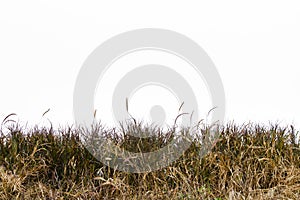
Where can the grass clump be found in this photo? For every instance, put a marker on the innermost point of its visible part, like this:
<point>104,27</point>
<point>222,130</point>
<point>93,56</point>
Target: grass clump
<point>247,162</point>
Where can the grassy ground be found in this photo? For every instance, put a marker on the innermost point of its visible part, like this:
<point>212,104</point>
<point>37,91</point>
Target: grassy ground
<point>247,162</point>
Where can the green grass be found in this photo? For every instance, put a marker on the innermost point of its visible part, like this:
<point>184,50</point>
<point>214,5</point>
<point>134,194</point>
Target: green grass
<point>247,162</point>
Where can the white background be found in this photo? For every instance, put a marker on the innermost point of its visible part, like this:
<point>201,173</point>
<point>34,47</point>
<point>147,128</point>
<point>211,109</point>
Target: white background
<point>255,46</point>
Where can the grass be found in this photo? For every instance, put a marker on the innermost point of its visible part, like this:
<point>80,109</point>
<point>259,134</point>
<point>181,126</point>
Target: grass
<point>247,162</point>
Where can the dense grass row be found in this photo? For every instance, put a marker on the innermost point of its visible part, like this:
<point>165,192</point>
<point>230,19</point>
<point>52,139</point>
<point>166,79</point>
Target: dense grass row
<point>247,162</point>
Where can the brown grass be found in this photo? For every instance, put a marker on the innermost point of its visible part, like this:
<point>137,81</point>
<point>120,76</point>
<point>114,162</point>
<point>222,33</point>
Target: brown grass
<point>248,162</point>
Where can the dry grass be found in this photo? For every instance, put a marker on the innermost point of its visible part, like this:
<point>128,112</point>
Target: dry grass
<point>248,162</point>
